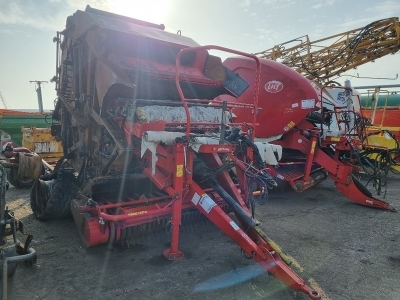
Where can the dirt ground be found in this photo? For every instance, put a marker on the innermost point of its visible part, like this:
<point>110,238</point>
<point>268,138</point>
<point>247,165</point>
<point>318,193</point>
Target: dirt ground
<point>344,250</point>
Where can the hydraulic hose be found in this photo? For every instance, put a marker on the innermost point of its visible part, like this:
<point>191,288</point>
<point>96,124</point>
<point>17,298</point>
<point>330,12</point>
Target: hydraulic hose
<point>30,256</point>
<point>247,218</point>
<point>232,203</point>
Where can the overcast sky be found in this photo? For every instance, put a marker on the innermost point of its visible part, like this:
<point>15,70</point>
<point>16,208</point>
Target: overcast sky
<point>27,28</point>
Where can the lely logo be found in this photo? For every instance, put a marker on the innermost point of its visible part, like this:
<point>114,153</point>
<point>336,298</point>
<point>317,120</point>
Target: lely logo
<point>273,86</point>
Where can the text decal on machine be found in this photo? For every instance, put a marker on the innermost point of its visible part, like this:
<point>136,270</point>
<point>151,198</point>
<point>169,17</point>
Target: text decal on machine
<point>196,198</point>
<point>273,86</point>
<point>207,203</point>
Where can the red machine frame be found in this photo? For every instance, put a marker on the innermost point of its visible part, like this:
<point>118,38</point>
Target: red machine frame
<point>99,224</point>
<point>310,140</point>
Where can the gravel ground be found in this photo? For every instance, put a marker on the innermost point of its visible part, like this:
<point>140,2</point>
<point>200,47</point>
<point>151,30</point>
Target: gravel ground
<point>344,250</point>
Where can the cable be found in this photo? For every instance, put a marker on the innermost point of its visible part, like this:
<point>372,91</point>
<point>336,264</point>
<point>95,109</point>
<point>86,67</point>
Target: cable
<point>377,162</point>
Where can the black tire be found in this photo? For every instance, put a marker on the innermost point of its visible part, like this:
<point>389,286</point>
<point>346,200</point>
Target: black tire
<point>51,199</point>
<point>18,183</point>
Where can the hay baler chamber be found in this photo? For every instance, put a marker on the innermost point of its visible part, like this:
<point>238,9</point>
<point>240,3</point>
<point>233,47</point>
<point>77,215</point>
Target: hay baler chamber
<point>148,141</point>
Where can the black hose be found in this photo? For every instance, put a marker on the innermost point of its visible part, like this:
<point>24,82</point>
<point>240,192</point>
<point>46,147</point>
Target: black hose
<point>232,203</point>
<point>30,256</point>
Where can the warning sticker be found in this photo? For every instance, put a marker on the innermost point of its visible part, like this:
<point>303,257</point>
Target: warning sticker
<point>196,198</point>
<point>233,224</point>
<point>307,104</point>
<point>207,203</point>
<point>179,170</point>
<point>313,147</point>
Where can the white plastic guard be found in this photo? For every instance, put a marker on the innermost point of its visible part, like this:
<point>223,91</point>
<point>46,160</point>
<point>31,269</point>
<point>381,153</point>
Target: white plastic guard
<point>267,152</point>
<point>151,139</point>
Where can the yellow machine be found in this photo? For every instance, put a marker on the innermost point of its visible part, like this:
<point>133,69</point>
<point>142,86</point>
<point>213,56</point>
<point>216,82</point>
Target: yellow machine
<point>383,142</point>
<point>40,141</point>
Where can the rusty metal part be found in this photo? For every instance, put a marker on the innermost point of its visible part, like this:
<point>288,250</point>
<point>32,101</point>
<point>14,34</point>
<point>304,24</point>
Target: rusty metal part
<point>28,164</point>
<point>10,152</point>
<point>9,165</point>
<point>29,167</point>
<point>123,18</point>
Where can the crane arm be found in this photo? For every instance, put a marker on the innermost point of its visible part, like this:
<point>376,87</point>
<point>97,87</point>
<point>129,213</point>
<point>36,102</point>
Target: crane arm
<point>328,57</point>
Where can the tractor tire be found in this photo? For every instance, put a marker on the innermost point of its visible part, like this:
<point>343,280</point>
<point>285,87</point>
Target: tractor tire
<point>18,183</point>
<point>51,200</point>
